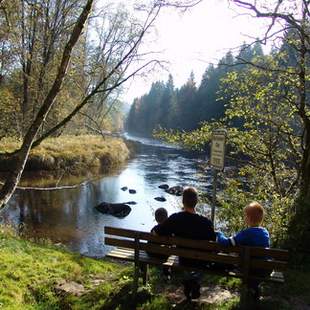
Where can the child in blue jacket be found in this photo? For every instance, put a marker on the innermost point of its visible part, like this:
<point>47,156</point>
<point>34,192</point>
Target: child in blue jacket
<point>253,235</point>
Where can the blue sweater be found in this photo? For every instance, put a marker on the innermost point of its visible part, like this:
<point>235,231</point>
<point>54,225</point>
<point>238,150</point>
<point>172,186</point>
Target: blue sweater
<point>253,236</point>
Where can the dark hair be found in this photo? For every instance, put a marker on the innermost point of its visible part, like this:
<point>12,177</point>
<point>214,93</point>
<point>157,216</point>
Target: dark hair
<point>190,197</point>
<point>161,215</point>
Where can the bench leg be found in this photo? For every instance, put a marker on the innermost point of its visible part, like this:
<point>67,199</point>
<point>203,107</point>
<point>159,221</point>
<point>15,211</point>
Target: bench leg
<point>244,297</point>
<point>145,273</point>
<point>136,279</point>
<point>247,297</point>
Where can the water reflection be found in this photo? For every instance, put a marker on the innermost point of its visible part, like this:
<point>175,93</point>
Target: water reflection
<point>68,216</point>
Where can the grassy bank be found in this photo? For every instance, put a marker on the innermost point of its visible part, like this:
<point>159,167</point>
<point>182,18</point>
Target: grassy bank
<point>71,153</point>
<point>42,276</point>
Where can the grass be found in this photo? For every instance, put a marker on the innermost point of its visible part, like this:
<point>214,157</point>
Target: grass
<point>30,272</point>
<point>74,153</point>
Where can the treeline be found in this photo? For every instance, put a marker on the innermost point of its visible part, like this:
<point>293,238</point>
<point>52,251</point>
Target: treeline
<point>186,107</point>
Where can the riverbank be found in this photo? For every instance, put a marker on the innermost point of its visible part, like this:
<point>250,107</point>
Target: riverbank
<point>44,276</point>
<point>73,154</point>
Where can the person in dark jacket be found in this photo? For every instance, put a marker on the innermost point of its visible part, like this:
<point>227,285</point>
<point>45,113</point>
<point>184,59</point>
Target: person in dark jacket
<point>161,215</point>
<point>188,224</point>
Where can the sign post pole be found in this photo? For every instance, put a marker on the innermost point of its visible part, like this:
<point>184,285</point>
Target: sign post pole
<point>217,161</point>
<point>214,196</point>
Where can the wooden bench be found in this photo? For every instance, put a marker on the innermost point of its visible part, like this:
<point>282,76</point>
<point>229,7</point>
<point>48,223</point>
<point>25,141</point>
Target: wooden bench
<point>132,245</point>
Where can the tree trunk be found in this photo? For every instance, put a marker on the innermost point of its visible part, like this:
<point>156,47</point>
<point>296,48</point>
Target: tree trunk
<point>22,155</point>
<point>305,168</point>
<point>305,164</point>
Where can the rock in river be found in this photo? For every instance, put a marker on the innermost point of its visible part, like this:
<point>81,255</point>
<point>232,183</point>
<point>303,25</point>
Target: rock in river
<point>161,198</point>
<point>175,190</point>
<point>124,188</point>
<point>116,209</point>
<point>130,203</point>
<point>163,186</point>
<point>132,191</point>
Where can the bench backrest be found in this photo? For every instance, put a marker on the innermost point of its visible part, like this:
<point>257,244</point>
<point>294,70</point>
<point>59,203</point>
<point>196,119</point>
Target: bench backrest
<point>244,257</point>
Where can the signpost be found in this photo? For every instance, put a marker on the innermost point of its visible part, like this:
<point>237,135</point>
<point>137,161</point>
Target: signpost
<point>217,161</point>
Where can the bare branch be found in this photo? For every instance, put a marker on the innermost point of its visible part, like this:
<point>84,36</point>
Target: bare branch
<point>288,18</point>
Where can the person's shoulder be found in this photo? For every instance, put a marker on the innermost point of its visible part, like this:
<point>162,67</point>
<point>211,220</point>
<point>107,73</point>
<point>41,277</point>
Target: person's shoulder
<point>265,231</point>
<point>205,220</point>
<point>260,229</point>
<point>175,215</point>
<point>154,228</point>
<point>246,231</point>
<point>257,230</point>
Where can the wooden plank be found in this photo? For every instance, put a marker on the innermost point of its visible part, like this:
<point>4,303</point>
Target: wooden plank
<point>277,276</point>
<point>186,253</point>
<point>245,265</point>
<point>278,254</point>
<point>130,253</point>
<point>122,257</point>
<point>194,244</point>
<point>123,254</point>
<point>137,266</point>
<point>144,259</point>
<point>268,264</point>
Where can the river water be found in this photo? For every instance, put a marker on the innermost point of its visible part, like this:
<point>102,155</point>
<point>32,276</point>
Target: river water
<point>68,216</point>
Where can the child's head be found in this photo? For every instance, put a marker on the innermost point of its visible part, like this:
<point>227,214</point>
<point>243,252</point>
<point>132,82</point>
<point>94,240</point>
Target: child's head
<point>254,214</point>
<point>161,215</point>
<point>190,197</point>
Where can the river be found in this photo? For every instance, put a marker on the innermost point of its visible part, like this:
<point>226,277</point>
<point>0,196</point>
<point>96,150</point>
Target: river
<point>68,216</point>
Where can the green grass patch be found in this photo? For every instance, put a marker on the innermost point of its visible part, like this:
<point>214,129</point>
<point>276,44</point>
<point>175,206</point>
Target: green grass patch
<point>30,272</point>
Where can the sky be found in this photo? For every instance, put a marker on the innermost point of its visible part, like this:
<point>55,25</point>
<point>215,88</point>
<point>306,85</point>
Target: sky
<point>191,40</point>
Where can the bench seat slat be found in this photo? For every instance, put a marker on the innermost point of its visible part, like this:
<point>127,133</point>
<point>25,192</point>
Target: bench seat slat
<point>143,257</point>
<point>128,254</point>
<point>272,253</point>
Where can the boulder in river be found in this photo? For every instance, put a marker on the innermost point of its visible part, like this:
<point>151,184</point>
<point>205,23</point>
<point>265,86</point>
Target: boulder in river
<point>116,209</point>
<point>161,198</point>
<point>209,186</point>
<point>175,190</point>
<point>124,188</point>
<point>130,203</point>
<point>132,191</point>
<point>163,186</point>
